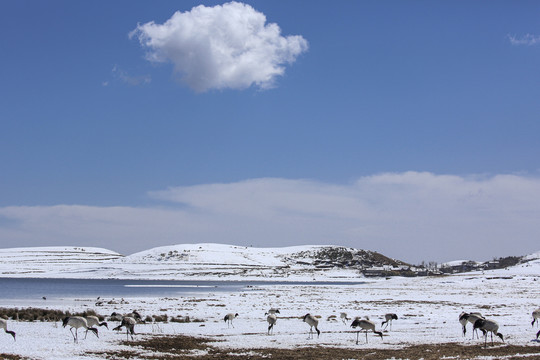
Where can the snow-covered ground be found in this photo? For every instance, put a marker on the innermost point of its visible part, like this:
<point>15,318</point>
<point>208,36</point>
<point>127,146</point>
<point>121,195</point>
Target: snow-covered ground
<point>428,310</point>
<point>427,307</point>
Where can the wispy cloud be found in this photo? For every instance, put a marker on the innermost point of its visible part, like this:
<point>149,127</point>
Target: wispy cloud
<point>528,39</point>
<point>127,78</point>
<point>225,46</point>
<point>412,216</point>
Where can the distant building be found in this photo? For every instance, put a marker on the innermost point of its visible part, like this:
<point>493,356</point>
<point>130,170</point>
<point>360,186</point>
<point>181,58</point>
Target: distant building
<point>374,272</point>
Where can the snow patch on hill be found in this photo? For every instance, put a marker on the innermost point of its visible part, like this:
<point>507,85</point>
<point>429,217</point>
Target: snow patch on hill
<point>193,262</point>
<point>530,267</point>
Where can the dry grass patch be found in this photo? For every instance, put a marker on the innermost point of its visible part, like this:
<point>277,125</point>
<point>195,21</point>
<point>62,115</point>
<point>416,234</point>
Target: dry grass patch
<point>39,314</point>
<point>11,357</point>
<point>187,347</point>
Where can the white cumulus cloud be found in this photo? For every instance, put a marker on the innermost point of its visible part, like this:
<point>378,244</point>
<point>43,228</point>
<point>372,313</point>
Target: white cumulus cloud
<point>225,46</point>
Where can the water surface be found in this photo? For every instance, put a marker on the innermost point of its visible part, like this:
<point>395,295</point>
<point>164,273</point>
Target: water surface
<point>34,289</point>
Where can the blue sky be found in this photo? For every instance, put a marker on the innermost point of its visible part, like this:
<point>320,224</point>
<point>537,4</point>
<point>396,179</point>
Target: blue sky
<point>101,119</point>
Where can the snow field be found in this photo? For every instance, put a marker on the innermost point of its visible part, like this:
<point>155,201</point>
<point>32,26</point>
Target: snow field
<point>428,310</point>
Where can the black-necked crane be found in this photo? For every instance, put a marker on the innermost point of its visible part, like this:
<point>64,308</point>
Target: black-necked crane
<point>388,320</point>
<point>3,325</point>
<point>472,318</point>
<point>272,319</point>
<point>116,316</point>
<point>463,321</point>
<point>344,318</point>
<point>77,322</point>
<point>313,323</point>
<point>536,316</point>
<point>229,318</point>
<point>488,326</point>
<point>272,311</point>
<point>134,314</point>
<point>366,325</point>
<point>119,317</point>
<point>129,323</point>
<point>92,321</point>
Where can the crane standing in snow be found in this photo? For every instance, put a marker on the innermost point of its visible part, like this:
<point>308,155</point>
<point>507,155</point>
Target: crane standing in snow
<point>488,326</point>
<point>313,323</point>
<point>129,323</point>
<point>272,319</point>
<point>366,325</point>
<point>536,316</point>
<point>92,321</point>
<point>77,322</point>
<point>229,318</point>
<point>3,325</point>
<point>472,318</point>
<point>388,320</point>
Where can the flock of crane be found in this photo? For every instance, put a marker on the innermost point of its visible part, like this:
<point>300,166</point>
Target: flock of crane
<point>90,323</point>
<point>362,324</point>
<point>478,321</point>
<point>128,321</point>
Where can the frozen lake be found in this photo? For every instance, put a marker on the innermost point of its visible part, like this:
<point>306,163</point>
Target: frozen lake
<point>31,291</point>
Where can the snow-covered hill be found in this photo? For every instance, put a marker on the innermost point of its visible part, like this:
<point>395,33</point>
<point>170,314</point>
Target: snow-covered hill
<point>209,262</point>
<point>45,261</point>
<point>529,267</point>
<point>193,262</point>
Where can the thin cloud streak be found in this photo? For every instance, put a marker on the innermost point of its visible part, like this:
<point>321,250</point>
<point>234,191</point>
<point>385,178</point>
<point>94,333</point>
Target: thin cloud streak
<point>412,216</point>
<point>130,79</point>
<point>528,40</point>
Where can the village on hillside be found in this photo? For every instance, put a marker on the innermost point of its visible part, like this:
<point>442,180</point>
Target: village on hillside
<point>434,269</point>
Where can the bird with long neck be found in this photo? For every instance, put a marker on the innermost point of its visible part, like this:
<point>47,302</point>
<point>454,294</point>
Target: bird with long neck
<point>129,323</point>
<point>3,325</point>
<point>388,320</point>
<point>229,318</point>
<point>313,323</point>
<point>366,325</point>
<point>92,321</point>
<point>271,319</point>
<point>77,322</point>
<point>536,316</point>
<point>488,326</point>
<point>272,311</point>
<point>463,321</point>
<point>465,317</point>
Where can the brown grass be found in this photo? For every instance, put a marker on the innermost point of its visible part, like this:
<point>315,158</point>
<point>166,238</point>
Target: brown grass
<point>11,357</point>
<point>39,314</point>
<point>181,347</point>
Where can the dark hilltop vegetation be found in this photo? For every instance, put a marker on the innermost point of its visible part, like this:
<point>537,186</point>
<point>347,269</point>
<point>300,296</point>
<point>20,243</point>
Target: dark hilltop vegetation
<point>374,264</point>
